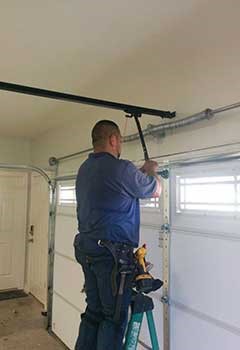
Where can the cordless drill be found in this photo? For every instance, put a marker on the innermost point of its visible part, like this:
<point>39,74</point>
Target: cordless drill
<point>144,281</point>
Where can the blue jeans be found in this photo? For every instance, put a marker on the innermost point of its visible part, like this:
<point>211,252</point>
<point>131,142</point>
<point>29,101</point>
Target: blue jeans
<point>98,330</point>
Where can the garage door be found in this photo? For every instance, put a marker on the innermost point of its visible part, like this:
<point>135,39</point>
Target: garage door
<point>68,298</point>
<point>204,257</point>
<point>68,281</point>
<point>151,234</point>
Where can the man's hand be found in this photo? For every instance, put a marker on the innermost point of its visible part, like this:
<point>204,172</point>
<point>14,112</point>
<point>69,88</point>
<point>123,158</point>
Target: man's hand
<point>149,167</point>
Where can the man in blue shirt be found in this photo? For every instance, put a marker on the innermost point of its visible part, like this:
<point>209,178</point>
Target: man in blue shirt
<point>108,190</point>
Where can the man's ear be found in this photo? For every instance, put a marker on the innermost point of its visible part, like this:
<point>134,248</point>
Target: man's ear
<point>113,140</point>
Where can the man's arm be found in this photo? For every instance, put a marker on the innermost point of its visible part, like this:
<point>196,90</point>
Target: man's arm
<point>142,183</point>
<point>150,168</point>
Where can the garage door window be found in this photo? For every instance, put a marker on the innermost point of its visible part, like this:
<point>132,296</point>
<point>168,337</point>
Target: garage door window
<point>66,195</point>
<point>151,203</point>
<point>212,193</point>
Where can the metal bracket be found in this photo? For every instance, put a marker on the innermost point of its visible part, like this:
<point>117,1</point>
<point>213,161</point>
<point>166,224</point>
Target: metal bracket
<point>164,173</point>
<point>166,240</point>
<point>165,228</point>
<point>209,113</point>
<point>165,299</point>
<point>136,116</point>
<point>52,161</point>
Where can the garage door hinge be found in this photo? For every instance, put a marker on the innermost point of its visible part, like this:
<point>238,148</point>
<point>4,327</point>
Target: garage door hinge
<point>165,228</point>
<point>164,173</point>
<point>165,299</point>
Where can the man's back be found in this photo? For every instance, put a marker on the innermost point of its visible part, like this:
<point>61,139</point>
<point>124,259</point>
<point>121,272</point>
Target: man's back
<point>107,195</point>
<point>108,192</point>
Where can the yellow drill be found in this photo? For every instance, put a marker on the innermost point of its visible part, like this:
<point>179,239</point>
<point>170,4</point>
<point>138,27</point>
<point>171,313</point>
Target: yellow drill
<point>144,281</point>
<point>140,257</point>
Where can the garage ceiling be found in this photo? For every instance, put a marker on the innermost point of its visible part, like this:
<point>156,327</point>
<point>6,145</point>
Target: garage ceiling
<point>71,46</point>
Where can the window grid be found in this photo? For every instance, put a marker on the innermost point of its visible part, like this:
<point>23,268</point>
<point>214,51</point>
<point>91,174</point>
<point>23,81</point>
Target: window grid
<point>66,195</point>
<point>151,203</point>
<point>208,194</point>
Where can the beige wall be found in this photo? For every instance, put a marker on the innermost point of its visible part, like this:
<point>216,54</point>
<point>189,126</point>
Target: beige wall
<point>14,150</point>
<point>191,66</point>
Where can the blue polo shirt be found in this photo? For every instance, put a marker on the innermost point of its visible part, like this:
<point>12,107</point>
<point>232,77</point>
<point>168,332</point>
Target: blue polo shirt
<point>108,191</point>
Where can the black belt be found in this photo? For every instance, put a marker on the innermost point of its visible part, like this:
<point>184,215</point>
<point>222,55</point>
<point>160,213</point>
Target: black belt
<point>115,248</point>
<point>106,243</point>
<point>124,264</point>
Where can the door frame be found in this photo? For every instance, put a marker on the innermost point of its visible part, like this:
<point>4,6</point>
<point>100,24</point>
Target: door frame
<point>29,169</point>
<point>28,244</point>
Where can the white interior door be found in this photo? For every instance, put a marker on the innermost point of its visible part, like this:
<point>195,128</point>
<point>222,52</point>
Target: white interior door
<point>38,238</point>
<point>204,257</point>
<point>13,207</point>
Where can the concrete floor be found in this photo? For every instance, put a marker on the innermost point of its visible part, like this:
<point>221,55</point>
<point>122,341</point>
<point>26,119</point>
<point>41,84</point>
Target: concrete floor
<point>22,326</point>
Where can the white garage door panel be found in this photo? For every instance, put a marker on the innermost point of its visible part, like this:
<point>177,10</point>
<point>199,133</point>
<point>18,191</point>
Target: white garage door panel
<point>65,233</point>
<point>151,237</point>
<point>207,224</point>
<point>152,217</point>
<point>203,268</point>
<point>69,281</point>
<point>68,301</point>
<point>204,262</point>
<point>65,321</point>
<point>193,333</point>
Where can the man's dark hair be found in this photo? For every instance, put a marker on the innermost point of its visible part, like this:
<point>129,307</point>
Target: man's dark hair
<point>102,131</point>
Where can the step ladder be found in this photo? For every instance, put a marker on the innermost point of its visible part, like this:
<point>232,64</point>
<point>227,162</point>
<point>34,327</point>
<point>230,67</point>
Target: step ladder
<point>141,304</point>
